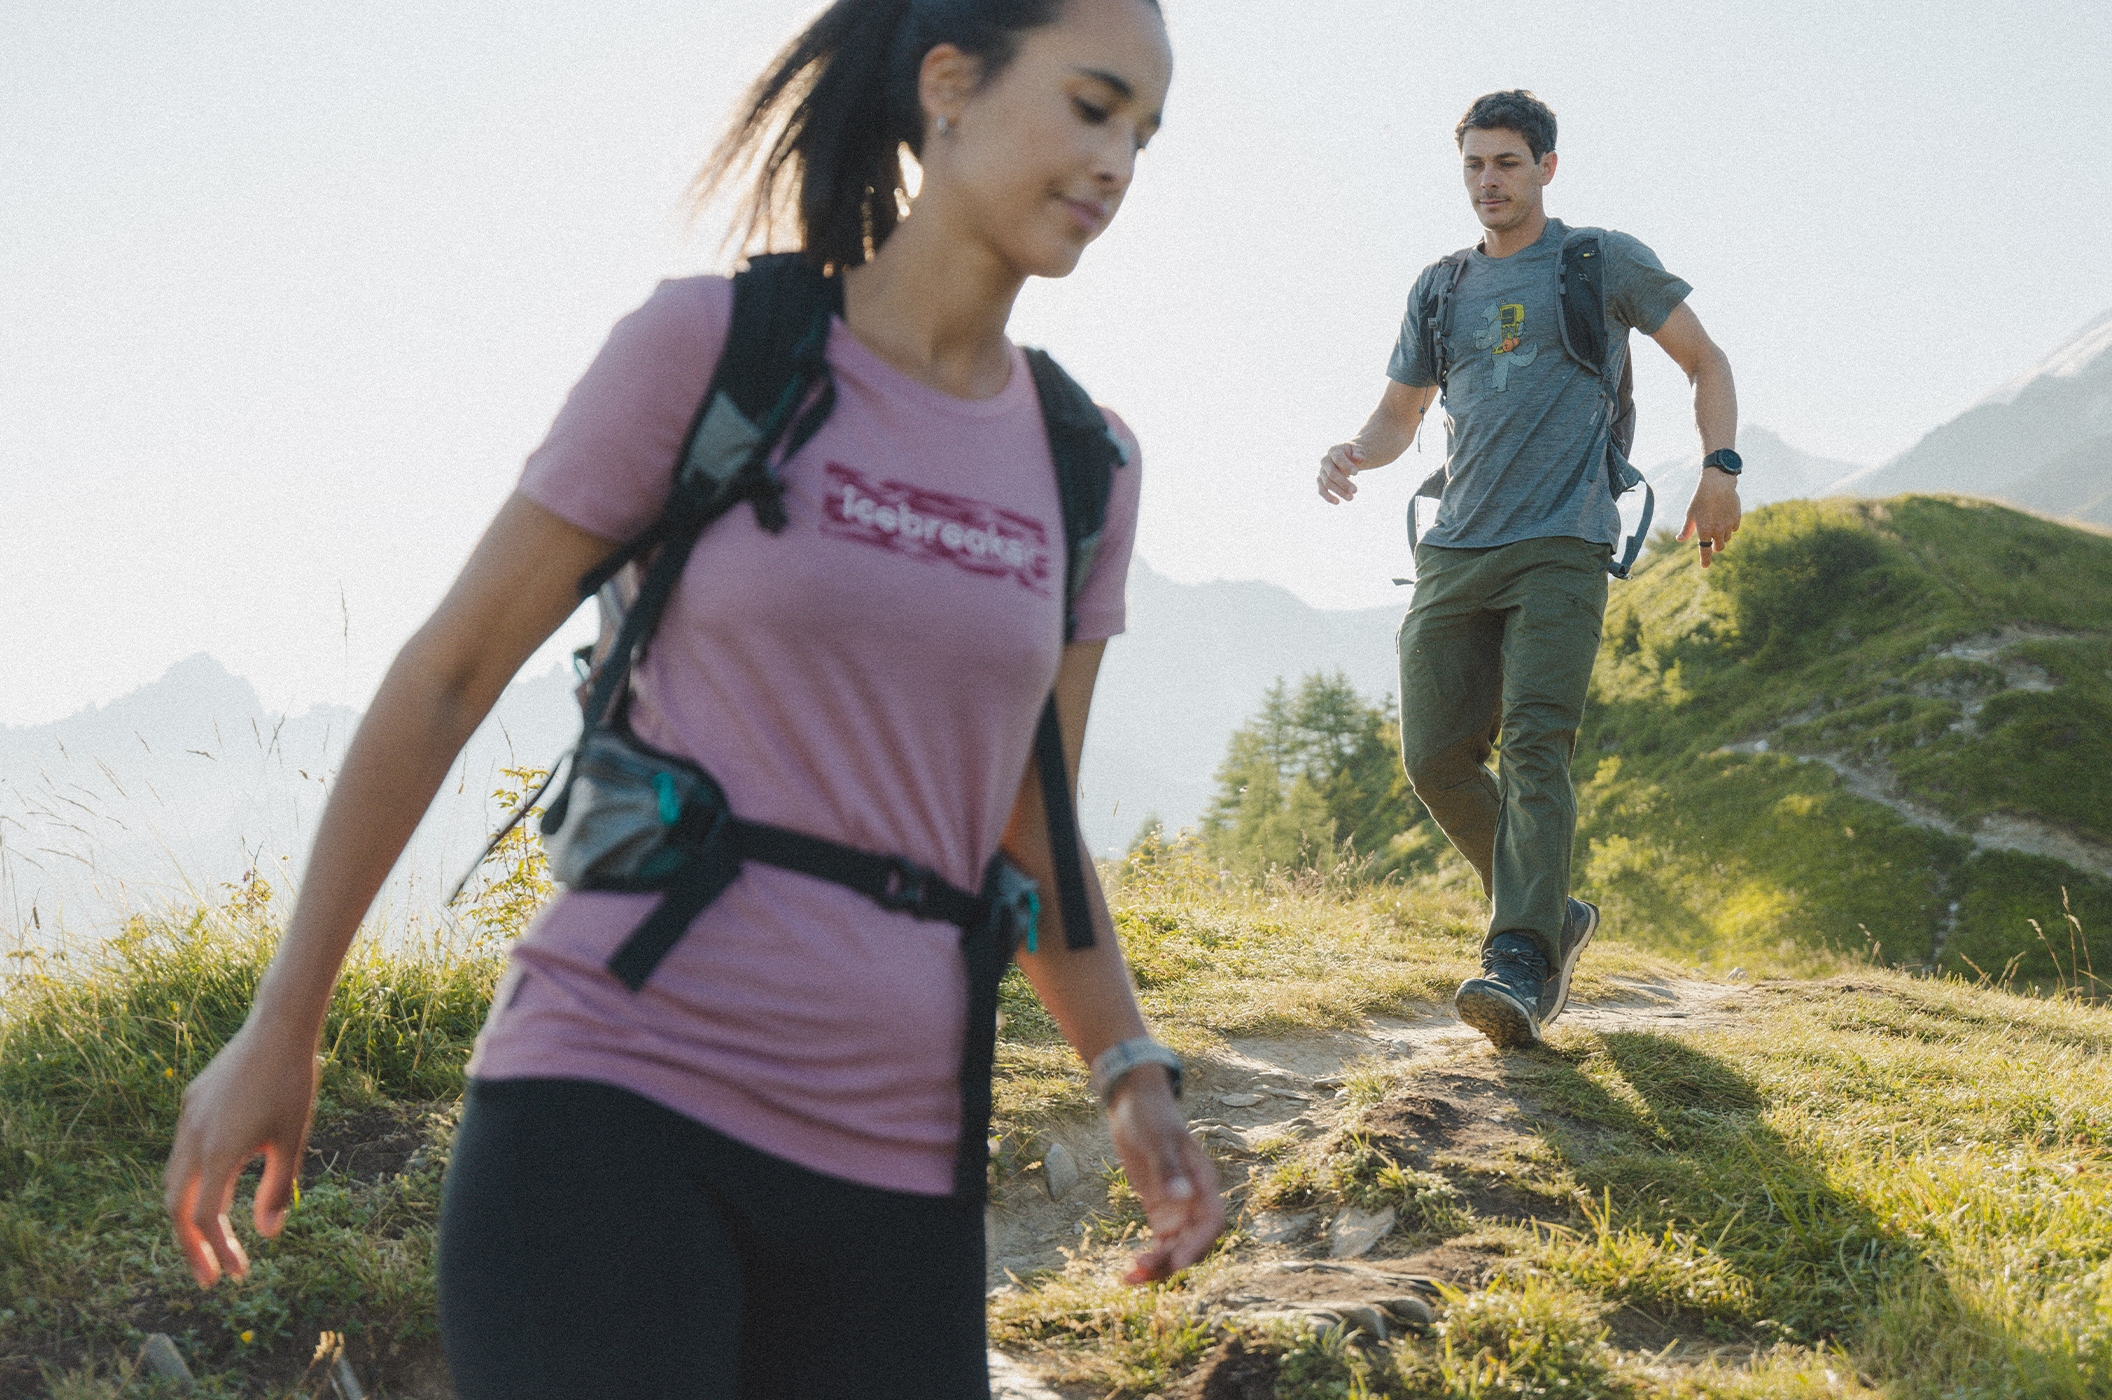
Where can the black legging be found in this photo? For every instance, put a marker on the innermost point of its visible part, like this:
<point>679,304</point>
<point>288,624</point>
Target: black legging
<point>597,1246</point>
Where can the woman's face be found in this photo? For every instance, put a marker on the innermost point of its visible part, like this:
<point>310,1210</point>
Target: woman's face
<point>1034,163</point>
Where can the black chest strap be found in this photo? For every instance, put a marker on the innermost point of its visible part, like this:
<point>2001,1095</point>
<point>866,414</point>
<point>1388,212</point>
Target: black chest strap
<point>888,881</point>
<point>988,929</point>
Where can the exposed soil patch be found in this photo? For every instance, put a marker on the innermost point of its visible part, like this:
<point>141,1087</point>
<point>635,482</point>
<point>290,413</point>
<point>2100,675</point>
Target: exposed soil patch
<point>1465,1266</point>
<point>1290,1281</point>
<point>371,1145</point>
<point>415,1372</point>
<point>1231,1372</point>
<point>1406,1122</point>
<point>1683,1339</point>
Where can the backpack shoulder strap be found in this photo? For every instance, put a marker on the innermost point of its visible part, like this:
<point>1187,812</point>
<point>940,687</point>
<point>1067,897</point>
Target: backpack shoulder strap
<point>1586,340</point>
<point>762,392</point>
<point>1086,453</point>
<point>776,343</point>
<point>774,357</point>
<point>779,301</point>
<point>1434,315</point>
<point>1583,297</point>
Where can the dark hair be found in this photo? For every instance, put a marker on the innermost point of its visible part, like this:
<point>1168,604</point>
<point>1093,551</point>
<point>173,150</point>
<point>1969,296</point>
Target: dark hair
<point>820,134</point>
<point>1516,110</point>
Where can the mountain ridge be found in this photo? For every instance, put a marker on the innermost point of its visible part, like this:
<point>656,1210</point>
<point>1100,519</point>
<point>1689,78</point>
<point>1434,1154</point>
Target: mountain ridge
<point>2067,360</point>
<point>188,782</point>
<point>1775,470</point>
<point>2005,444</point>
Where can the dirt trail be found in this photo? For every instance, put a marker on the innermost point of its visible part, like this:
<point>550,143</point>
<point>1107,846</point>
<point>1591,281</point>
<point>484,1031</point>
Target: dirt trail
<point>1457,1109</point>
<point>1999,831</point>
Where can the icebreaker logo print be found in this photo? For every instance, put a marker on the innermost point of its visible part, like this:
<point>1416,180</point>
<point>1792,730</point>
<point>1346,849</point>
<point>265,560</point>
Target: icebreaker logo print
<point>939,528</point>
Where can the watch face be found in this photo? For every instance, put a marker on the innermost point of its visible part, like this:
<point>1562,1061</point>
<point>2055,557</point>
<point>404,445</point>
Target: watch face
<point>1726,459</point>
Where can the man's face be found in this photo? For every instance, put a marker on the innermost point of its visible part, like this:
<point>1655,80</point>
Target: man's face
<point>1503,179</point>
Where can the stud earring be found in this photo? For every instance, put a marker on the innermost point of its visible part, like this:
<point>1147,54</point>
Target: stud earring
<point>944,124</point>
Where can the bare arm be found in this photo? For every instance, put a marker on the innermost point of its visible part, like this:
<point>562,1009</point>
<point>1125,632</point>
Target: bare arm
<point>259,1091</point>
<point>1088,992</point>
<point>1714,515</point>
<point>1383,438</point>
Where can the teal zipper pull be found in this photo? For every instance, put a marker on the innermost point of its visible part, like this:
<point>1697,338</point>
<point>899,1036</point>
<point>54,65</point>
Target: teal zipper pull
<point>670,803</point>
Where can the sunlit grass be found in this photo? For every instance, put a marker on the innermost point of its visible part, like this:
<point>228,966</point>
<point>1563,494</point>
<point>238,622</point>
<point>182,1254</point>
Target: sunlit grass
<point>1827,636</point>
<point>1872,1184</point>
<point>1904,1184</point>
<point>1309,951</point>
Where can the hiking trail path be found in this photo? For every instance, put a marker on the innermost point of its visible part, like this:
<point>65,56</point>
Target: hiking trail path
<point>1452,1106</point>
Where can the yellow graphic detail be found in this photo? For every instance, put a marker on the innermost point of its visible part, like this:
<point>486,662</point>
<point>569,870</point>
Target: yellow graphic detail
<point>1502,329</point>
<point>1511,321</point>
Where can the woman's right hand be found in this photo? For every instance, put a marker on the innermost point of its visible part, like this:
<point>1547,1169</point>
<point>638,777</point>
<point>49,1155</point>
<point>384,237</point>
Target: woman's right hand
<point>257,1095</point>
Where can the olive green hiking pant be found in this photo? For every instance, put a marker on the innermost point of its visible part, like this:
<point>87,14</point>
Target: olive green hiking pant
<point>1497,648</point>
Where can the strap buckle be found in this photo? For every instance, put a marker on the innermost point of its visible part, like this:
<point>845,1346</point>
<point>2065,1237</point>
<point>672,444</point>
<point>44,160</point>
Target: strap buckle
<point>905,887</point>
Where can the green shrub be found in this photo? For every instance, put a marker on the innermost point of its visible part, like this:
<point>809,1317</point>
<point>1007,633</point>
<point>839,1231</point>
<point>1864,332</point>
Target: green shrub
<point>1792,570</point>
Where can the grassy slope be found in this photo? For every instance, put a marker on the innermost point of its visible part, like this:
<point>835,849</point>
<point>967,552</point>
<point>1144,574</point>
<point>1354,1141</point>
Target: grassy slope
<point>1902,1180</point>
<point>1823,631</point>
<point>1873,1179</point>
<point>1912,1173</point>
<point>92,1066</point>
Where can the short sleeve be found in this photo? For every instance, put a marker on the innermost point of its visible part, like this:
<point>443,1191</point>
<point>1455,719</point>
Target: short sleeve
<point>1409,365</point>
<point>1102,603</point>
<point>1640,294</point>
<point>608,461</point>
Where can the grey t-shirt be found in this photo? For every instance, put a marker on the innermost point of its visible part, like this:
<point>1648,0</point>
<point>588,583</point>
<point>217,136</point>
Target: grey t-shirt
<point>1526,431</point>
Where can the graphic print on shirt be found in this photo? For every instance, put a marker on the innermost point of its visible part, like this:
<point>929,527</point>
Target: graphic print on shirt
<point>938,528</point>
<point>1500,337</point>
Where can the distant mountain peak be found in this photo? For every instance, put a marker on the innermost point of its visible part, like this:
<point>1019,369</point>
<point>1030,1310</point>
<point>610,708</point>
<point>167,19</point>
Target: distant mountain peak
<point>197,680</point>
<point>2074,355</point>
<point>2039,421</point>
<point>1777,470</point>
<point>199,668</point>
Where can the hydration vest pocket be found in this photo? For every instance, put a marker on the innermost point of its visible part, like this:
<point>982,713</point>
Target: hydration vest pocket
<point>633,818</point>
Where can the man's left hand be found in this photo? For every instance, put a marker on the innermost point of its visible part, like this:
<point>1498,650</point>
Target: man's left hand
<point>1715,514</point>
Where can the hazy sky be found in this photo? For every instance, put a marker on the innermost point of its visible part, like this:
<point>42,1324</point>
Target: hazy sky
<point>288,290</point>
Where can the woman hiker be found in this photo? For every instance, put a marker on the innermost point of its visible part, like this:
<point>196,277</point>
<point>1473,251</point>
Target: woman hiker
<point>740,1178</point>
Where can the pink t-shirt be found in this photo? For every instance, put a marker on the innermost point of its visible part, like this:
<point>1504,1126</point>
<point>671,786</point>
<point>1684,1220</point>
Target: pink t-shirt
<point>871,675</point>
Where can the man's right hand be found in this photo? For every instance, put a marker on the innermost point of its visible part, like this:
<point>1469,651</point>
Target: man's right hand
<point>1342,462</point>
<point>1384,437</point>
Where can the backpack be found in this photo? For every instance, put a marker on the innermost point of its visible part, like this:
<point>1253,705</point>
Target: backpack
<point>1582,297</point>
<point>630,817</point>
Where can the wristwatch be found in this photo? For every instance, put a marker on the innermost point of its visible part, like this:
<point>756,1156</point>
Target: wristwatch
<point>1114,1063</point>
<point>1724,460</point>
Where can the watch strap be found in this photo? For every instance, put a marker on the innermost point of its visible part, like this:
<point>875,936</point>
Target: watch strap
<point>1114,1063</point>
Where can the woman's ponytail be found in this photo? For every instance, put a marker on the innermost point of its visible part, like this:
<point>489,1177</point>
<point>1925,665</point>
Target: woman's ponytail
<point>818,141</point>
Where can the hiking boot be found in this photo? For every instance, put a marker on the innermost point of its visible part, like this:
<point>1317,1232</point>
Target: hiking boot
<point>1577,929</point>
<point>1504,1002</point>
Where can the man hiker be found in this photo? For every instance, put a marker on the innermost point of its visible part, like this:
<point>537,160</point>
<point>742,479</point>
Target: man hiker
<point>1510,587</point>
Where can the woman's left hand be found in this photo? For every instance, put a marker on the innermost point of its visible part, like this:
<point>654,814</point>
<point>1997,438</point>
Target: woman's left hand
<point>1170,1172</point>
